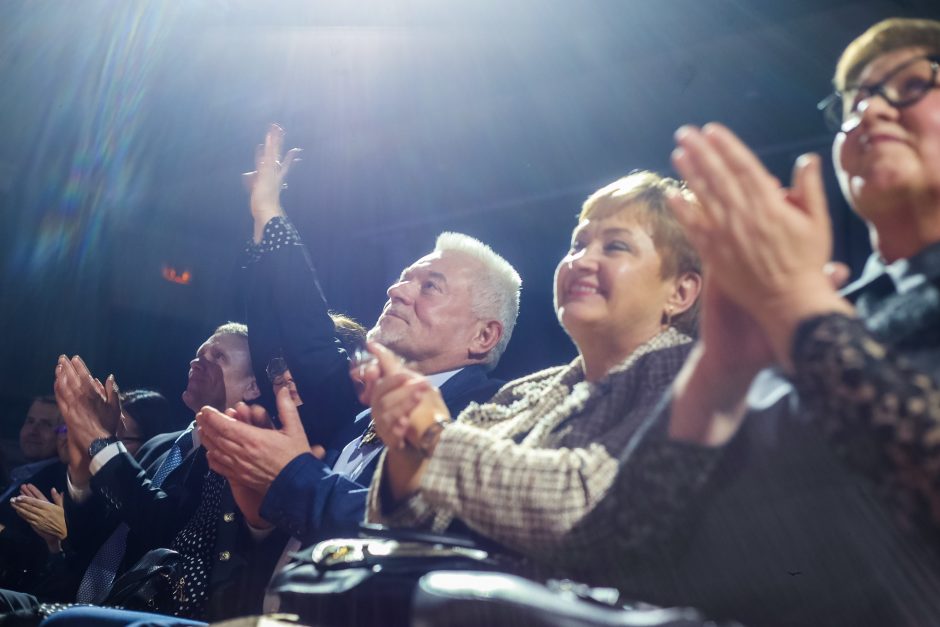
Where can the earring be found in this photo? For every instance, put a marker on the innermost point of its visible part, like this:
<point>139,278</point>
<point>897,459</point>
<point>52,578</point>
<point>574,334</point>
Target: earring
<point>667,319</point>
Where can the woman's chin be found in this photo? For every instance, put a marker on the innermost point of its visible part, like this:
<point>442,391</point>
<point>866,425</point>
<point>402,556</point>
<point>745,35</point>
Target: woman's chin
<point>579,321</point>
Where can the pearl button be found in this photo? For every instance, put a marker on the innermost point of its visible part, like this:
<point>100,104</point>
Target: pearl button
<point>224,556</point>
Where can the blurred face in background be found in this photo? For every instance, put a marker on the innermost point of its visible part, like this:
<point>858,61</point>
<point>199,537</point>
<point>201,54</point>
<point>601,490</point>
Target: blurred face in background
<point>220,375</point>
<point>129,433</point>
<point>38,433</point>
<point>62,443</point>
<point>284,379</point>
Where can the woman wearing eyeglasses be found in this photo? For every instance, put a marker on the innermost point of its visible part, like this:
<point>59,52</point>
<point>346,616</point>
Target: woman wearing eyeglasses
<point>826,508</point>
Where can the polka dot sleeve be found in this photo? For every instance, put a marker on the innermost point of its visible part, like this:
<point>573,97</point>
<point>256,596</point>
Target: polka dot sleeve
<point>278,232</point>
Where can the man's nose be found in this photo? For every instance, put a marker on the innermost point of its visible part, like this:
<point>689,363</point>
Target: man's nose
<point>400,291</point>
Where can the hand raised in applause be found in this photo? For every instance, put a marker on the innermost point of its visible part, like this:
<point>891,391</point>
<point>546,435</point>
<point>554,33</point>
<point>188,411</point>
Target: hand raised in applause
<point>730,338</point>
<point>90,410</point>
<point>47,518</point>
<point>765,246</point>
<point>404,403</point>
<point>404,406</point>
<point>710,391</point>
<point>268,178</point>
<point>242,449</point>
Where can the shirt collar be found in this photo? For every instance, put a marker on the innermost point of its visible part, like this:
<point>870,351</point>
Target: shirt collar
<point>195,434</point>
<point>440,378</point>
<point>905,274</point>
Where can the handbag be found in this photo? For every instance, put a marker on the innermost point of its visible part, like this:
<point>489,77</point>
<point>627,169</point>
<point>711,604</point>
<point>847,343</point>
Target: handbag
<point>370,579</point>
<point>149,584</point>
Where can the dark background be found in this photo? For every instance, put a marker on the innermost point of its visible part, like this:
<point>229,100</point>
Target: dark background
<point>125,126</point>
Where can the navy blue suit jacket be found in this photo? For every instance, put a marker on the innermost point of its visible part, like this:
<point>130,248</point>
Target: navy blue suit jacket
<point>308,498</point>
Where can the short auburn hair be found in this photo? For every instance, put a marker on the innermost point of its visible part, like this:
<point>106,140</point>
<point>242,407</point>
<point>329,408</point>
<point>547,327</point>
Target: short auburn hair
<point>644,195</point>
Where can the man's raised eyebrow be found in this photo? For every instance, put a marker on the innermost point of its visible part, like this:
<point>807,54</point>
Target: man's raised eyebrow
<point>437,275</point>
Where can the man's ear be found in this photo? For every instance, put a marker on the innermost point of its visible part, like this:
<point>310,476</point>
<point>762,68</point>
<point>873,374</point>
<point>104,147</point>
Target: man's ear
<point>252,391</point>
<point>486,339</point>
<point>686,290</point>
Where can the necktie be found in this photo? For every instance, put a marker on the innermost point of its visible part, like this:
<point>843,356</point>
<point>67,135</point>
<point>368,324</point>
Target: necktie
<point>96,583</point>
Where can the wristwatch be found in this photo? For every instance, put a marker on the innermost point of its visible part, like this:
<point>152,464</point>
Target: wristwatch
<point>99,443</point>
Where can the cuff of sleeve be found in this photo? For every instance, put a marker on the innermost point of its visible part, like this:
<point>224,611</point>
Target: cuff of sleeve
<point>658,471</point>
<point>412,512</point>
<point>291,483</point>
<point>79,494</point>
<point>105,455</point>
<point>278,232</point>
<point>439,483</point>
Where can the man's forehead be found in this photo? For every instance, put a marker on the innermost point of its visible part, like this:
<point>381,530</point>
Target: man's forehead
<point>43,410</point>
<point>227,341</point>
<point>448,263</point>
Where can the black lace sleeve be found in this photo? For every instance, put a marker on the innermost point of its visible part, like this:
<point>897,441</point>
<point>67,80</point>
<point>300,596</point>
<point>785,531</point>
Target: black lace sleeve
<point>658,482</point>
<point>880,413</point>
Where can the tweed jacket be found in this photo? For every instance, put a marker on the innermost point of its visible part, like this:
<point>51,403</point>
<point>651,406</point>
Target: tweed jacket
<point>526,467</point>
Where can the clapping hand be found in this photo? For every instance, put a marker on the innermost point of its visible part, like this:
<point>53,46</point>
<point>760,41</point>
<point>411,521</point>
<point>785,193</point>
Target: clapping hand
<point>404,403</point>
<point>47,518</point>
<point>241,447</point>
<point>764,246</point>
<point>91,410</point>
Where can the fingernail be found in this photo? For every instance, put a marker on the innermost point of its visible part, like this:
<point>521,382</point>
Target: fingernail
<point>683,132</point>
<point>805,160</point>
<point>678,154</point>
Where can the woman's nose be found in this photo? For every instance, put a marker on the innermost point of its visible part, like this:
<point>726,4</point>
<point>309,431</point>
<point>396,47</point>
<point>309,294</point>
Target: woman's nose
<point>869,111</point>
<point>583,259</point>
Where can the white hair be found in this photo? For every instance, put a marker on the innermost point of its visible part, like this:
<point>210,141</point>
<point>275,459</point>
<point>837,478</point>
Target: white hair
<point>495,292</point>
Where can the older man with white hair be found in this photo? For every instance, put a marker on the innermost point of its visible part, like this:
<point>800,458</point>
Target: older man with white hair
<point>450,314</point>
